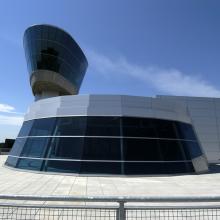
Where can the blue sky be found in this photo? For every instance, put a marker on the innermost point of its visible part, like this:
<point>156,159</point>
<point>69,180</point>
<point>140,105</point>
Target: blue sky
<point>136,47</point>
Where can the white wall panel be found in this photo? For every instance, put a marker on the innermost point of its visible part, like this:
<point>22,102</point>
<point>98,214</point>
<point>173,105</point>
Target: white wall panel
<point>213,156</point>
<point>201,104</point>
<point>202,112</point>
<point>108,105</point>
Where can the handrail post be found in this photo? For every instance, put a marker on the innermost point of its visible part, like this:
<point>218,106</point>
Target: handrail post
<point>121,214</point>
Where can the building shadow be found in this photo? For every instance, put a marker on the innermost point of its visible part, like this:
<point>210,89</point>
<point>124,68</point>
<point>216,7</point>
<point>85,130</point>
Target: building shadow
<point>214,168</point>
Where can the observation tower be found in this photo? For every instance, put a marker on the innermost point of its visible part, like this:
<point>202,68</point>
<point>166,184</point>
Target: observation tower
<point>56,64</point>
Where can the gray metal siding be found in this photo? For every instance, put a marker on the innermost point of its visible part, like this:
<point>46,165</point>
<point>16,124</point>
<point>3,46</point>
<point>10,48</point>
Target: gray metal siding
<point>205,117</point>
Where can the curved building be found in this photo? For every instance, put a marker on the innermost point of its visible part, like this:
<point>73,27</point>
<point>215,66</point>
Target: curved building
<point>96,134</point>
<point>56,64</point>
<point>104,134</point>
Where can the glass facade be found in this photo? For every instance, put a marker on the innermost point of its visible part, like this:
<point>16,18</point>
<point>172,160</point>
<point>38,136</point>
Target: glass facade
<point>105,145</point>
<point>50,48</point>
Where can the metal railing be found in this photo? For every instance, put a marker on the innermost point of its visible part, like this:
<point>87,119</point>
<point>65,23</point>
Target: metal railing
<point>109,208</point>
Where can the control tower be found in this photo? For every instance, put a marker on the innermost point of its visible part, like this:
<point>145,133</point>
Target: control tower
<point>56,64</point>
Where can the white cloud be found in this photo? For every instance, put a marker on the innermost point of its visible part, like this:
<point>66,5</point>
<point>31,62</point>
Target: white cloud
<point>170,81</point>
<point>9,109</point>
<point>6,108</point>
<point>11,120</point>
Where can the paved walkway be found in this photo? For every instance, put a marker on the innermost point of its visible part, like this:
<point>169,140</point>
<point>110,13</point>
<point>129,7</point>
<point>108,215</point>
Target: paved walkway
<point>19,182</point>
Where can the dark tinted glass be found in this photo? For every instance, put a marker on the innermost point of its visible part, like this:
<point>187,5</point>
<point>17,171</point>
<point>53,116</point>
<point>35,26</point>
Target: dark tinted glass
<point>157,168</point>
<point>90,126</point>
<point>172,150</point>
<point>70,148</point>
<point>85,148</point>
<point>157,128</point>
<point>141,150</point>
<point>103,126</point>
<point>144,127</point>
<point>11,161</point>
<point>185,131</point>
<point>192,148</point>
<point>69,126</point>
<point>55,49</point>
<point>35,147</point>
<point>18,147</point>
<point>102,168</point>
<point>154,150</point>
<point>165,128</point>
<point>101,149</point>
<point>25,129</point>
<point>108,126</point>
<point>156,153</point>
<point>47,61</point>
<point>29,164</point>
<point>130,168</point>
<point>62,166</point>
<point>42,127</point>
<point>139,127</point>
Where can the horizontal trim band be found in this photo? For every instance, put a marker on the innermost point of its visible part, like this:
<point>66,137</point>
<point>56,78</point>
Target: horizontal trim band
<point>98,115</point>
<point>113,137</point>
<point>117,161</point>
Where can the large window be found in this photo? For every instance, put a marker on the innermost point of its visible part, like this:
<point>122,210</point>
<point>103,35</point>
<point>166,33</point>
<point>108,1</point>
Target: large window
<point>105,145</point>
<point>43,127</point>
<point>35,147</point>
<point>18,146</point>
<point>30,164</point>
<point>157,168</point>
<point>101,149</point>
<point>25,129</point>
<point>103,126</point>
<point>66,148</point>
<point>69,126</point>
<point>108,126</point>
